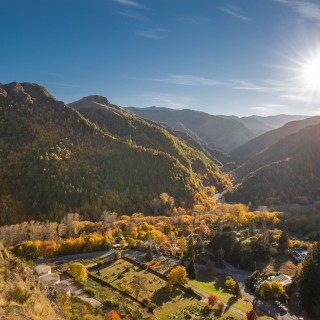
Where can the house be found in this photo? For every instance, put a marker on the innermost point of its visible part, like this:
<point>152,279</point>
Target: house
<point>42,269</point>
<point>298,254</point>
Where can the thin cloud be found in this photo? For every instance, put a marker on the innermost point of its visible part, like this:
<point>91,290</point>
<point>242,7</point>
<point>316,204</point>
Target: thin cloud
<point>131,14</point>
<point>188,80</point>
<point>306,9</point>
<point>153,34</point>
<point>193,19</point>
<point>268,108</point>
<point>130,3</point>
<point>235,12</point>
<point>147,99</point>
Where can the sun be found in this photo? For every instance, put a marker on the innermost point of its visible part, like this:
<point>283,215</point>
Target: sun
<point>311,73</point>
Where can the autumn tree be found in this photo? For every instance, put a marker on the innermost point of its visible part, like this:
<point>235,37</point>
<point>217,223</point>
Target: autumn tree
<point>71,221</point>
<point>79,271</point>
<point>123,244</point>
<point>230,284</point>
<point>212,300</point>
<point>109,218</point>
<point>252,315</point>
<point>113,315</point>
<point>177,276</point>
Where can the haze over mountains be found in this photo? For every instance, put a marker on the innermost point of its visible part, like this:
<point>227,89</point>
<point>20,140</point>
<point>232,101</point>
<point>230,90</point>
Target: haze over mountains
<point>226,132</point>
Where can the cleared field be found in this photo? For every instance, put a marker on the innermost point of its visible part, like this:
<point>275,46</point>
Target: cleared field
<point>161,264</point>
<point>121,273</point>
<point>279,264</point>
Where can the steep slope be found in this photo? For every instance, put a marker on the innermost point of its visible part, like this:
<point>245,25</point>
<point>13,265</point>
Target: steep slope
<point>261,143</point>
<point>20,295</point>
<point>53,160</point>
<point>288,171</point>
<point>129,127</point>
<point>214,131</point>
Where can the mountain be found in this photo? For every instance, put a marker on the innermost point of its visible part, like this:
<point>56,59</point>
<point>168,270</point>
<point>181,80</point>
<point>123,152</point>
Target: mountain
<point>287,171</point>
<point>261,143</point>
<point>256,126</point>
<point>54,160</point>
<point>279,120</point>
<point>212,131</point>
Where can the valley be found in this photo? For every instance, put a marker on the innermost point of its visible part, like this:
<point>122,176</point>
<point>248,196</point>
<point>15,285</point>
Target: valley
<point>161,223</point>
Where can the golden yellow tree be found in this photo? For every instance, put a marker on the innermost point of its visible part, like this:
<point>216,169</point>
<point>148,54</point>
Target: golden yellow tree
<point>177,276</point>
<point>79,271</point>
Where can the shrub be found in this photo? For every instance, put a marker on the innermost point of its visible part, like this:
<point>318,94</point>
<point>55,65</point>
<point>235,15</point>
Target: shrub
<point>251,315</point>
<point>18,295</point>
<point>212,300</point>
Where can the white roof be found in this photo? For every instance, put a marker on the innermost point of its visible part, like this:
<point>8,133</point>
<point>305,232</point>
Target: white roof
<point>283,279</point>
<point>42,269</point>
<point>49,279</point>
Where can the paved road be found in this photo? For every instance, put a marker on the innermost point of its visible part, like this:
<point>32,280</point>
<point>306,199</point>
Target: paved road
<point>79,256</point>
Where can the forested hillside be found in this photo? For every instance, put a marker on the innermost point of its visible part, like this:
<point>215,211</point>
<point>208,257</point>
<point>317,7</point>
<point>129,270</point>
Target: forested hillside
<point>54,160</point>
<point>288,171</point>
<point>261,143</point>
<point>140,132</point>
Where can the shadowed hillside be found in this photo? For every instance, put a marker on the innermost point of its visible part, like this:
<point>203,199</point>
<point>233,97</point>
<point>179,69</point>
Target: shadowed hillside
<point>54,160</point>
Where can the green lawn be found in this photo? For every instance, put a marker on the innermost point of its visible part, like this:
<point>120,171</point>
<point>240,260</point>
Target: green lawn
<point>215,285</point>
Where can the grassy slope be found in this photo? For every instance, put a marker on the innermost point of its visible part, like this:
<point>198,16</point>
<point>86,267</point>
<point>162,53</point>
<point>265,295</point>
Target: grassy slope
<point>16,274</point>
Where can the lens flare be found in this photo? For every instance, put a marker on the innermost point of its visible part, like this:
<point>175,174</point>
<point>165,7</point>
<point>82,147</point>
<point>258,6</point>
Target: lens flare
<point>311,74</point>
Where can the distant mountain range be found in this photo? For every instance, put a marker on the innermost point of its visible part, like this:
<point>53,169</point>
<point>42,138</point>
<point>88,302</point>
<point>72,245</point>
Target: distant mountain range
<point>216,132</point>
<point>89,157</point>
<point>282,165</point>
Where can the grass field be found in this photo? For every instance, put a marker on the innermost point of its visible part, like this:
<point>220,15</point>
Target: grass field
<point>121,272</point>
<point>215,285</point>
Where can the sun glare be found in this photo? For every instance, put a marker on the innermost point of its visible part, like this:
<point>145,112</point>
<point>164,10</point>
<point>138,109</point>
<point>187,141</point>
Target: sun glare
<point>311,74</point>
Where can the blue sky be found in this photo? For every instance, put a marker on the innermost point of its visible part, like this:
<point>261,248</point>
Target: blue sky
<point>237,57</point>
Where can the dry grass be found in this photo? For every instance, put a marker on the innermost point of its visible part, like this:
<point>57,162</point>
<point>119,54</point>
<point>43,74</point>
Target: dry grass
<point>279,264</point>
<point>15,274</point>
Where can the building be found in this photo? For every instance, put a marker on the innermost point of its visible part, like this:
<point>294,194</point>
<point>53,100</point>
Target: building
<point>42,269</point>
<point>285,280</point>
<point>49,280</point>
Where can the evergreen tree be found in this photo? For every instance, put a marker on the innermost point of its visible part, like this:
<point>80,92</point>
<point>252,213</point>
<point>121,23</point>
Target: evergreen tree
<point>309,279</point>
<point>191,270</point>
<point>190,248</point>
<point>149,255</point>
<point>284,241</point>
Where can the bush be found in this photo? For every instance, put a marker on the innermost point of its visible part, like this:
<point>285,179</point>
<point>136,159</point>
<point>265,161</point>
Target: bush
<point>117,255</point>
<point>18,295</point>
